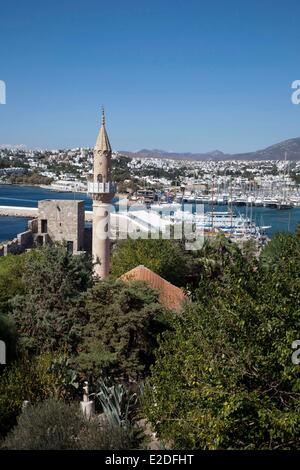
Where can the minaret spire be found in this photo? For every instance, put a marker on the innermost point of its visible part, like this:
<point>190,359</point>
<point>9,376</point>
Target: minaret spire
<point>102,191</point>
<point>102,143</point>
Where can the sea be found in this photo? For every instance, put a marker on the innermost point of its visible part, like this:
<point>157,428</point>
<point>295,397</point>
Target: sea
<point>28,196</point>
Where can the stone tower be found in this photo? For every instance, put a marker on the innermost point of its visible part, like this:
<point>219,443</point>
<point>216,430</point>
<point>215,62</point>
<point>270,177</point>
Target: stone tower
<point>102,191</point>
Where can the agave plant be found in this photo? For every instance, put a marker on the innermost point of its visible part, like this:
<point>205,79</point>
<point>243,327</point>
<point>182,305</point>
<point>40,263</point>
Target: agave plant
<point>118,403</point>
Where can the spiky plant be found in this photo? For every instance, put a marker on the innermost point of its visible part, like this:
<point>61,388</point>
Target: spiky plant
<point>118,404</point>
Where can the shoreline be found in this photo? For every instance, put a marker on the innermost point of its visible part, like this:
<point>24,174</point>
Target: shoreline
<point>42,186</point>
<point>48,186</point>
<point>29,212</point>
<point>15,195</point>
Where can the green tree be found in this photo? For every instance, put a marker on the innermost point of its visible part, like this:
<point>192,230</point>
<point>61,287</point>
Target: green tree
<point>216,256</point>
<point>30,178</point>
<point>50,314</point>
<point>224,378</point>
<point>221,261</point>
<point>168,258</point>
<point>282,249</point>
<point>121,333</point>
<point>11,283</point>
<point>8,334</point>
<point>33,378</point>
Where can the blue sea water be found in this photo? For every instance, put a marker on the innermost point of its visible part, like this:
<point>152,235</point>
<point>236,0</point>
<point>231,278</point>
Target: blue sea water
<point>11,226</point>
<point>28,196</point>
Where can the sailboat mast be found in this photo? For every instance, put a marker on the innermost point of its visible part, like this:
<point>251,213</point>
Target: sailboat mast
<point>231,205</point>
<point>212,201</point>
<point>284,177</point>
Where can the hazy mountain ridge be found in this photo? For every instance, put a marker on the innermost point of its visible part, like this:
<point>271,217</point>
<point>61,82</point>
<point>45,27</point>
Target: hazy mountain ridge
<point>274,152</point>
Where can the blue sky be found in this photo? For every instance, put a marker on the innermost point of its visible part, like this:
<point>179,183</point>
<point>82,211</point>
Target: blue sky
<point>181,75</point>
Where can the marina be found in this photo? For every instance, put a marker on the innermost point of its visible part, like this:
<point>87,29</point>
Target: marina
<point>247,199</point>
<point>262,216</point>
<point>236,226</point>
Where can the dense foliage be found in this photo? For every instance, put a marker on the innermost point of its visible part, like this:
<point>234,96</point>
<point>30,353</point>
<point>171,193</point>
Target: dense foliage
<point>8,334</point>
<point>51,303</point>
<point>33,379</point>
<point>218,376</point>
<point>50,313</point>
<point>11,283</point>
<point>55,425</point>
<point>120,335</point>
<point>167,258</point>
<point>30,178</point>
<point>224,377</point>
<point>47,426</point>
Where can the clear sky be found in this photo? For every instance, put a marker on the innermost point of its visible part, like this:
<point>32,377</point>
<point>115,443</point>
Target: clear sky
<point>181,75</point>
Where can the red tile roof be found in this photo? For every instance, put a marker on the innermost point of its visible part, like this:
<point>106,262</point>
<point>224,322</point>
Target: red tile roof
<point>170,296</point>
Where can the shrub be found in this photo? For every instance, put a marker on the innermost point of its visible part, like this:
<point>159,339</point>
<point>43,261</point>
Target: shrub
<point>124,321</point>
<point>8,334</point>
<point>168,258</point>
<point>11,284</point>
<point>50,425</point>
<point>56,425</point>
<point>223,377</point>
<point>49,315</point>
<point>97,436</point>
<point>33,379</point>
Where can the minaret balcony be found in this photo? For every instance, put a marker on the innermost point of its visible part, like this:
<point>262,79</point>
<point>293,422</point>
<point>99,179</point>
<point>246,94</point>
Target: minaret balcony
<point>102,188</point>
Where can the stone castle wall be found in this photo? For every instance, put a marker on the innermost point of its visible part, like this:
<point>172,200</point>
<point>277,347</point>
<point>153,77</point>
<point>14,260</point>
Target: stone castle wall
<point>58,220</point>
<point>19,244</point>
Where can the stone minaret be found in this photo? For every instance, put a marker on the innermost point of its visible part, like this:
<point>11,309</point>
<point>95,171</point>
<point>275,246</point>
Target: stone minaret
<point>102,191</point>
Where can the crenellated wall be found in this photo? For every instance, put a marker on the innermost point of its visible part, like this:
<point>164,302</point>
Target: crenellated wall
<point>22,242</point>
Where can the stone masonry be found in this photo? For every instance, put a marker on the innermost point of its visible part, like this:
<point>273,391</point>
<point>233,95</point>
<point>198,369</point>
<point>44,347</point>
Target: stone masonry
<point>61,220</point>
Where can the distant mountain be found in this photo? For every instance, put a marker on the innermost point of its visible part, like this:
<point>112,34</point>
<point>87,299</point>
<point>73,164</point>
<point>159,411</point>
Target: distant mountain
<point>13,146</point>
<point>275,152</point>
<point>145,153</point>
